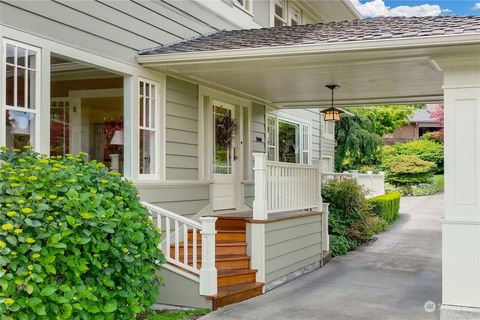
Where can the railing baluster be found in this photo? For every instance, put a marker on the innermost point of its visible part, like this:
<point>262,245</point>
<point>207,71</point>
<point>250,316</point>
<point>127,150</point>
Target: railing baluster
<point>194,250</point>
<point>185,244</point>
<point>177,244</point>
<point>167,237</point>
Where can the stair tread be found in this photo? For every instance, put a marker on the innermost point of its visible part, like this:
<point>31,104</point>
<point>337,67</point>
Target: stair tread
<point>227,230</point>
<point>234,272</point>
<point>236,288</point>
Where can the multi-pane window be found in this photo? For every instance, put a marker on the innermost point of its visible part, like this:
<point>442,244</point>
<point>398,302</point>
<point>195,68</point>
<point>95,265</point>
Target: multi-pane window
<point>22,95</point>
<point>148,127</point>
<point>294,16</point>
<point>280,13</point>
<point>59,126</point>
<point>271,137</point>
<point>287,141</point>
<point>305,144</point>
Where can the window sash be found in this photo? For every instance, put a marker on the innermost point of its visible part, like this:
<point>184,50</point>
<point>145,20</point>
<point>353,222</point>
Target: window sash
<point>21,93</point>
<point>148,109</point>
<point>272,137</point>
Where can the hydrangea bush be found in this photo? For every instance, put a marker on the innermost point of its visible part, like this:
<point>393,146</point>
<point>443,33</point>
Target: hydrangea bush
<point>75,241</point>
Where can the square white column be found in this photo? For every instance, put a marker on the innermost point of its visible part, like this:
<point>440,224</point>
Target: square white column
<point>461,224</point>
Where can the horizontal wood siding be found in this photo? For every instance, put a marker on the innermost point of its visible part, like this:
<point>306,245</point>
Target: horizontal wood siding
<point>116,29</point>
<point>184,199</point>
<point>258,127</point>
<point>291,245</point>
<point>182,130</point>
<point>249,193</point>
<point>328,147</point>
<point>180,291</point>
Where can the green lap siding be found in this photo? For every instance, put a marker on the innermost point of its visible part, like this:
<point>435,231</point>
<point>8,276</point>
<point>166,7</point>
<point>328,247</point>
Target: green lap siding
<point>291,245</point>
<point>182,130</point>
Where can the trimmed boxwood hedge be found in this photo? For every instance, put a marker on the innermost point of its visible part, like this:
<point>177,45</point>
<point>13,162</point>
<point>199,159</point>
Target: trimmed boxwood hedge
<point>386,206</point>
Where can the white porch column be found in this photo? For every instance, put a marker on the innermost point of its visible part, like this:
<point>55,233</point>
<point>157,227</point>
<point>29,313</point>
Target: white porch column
<point>208,271</point>
<point>461,224</point>
<point>260,202</point>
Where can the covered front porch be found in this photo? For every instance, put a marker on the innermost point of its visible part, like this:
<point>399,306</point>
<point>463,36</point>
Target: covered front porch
<point>381,61</point>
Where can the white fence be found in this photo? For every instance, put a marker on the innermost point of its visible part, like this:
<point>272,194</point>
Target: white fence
<point>283,187</point>
<point>180,240</point>
<point>373,183</point>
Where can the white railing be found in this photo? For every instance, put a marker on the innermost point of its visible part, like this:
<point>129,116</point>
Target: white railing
<point>283,187</point>
<point>180,240</point>
<point>373,183</point>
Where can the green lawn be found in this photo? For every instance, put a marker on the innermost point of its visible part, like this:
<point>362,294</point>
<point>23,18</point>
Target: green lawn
<point>177,315</point>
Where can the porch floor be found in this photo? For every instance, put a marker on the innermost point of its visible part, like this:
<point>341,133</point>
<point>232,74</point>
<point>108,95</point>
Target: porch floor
<point>390,279</point>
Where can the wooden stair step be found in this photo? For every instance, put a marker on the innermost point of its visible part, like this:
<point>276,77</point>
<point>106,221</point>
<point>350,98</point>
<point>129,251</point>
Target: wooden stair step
<point>225,262</point>
<point>221,248</point>
<point>235,276</point>
<point>233,234</point>
<point>236,293</point>
<point>231,223</point>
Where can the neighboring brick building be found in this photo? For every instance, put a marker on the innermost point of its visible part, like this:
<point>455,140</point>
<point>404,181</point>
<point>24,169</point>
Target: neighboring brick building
<point>421,122</point>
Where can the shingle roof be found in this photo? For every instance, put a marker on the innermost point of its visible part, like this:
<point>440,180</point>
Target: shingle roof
<point>333,32</point>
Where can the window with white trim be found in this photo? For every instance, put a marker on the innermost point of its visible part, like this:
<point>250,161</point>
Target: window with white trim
<point>244,4</point>
<point>306,144</point>
<point>328,128</point>
<point>287,140</point>
<point>148,127</point>
<point>21,98</point>
<point>294,16</point>
<point>280,13</point>
<point>271,137</point>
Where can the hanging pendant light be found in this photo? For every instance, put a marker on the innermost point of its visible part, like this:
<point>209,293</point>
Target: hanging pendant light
<point>332,114</point>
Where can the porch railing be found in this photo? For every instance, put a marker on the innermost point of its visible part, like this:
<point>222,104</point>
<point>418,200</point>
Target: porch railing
<point>180,240</point>
<point>373,183</point>
<point>283,187</point>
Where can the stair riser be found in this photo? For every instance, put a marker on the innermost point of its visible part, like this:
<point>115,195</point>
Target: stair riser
<point>219,250</point>
<point>240,236</point>
<point>225,265</point>
<point>236,279</point>
<point>241,296</point>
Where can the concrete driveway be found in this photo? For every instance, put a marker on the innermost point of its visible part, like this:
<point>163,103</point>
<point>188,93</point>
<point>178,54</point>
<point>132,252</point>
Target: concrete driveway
<point>391,278</point>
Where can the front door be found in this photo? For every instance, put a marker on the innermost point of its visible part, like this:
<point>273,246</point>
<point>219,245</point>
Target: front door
<point>224,129</point>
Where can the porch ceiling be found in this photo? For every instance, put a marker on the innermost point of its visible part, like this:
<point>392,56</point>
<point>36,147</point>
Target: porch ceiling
<point>297,80</point>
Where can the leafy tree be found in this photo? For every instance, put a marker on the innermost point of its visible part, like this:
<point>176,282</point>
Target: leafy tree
<point>358,138</point>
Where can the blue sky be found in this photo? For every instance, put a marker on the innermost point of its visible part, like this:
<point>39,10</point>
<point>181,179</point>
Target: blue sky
<point>370,8</point>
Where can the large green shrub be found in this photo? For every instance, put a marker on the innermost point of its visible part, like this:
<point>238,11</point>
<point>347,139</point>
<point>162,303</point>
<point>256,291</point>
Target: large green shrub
<point>348,214</point>
<point>75,242</point>
<point>427,150</point>
<point>408,170</point>
<point>386,206</point>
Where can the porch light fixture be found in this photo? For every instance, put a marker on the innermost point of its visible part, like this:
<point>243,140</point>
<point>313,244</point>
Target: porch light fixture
<point>332,114</point>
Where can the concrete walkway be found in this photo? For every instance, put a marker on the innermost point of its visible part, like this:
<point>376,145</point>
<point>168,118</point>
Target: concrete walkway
<point>391,278</point>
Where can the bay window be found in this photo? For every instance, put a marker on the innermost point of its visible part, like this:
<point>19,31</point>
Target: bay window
<point>21,97</point>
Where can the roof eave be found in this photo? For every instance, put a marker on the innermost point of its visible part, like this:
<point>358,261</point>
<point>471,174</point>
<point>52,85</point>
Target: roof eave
<point>295,50</point>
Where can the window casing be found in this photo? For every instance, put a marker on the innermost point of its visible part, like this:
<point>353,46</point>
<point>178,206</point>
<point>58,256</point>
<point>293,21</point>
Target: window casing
<point>305,144</point>
<point>280,13</point>
<point>272,135</point>
<point>21,96</point>
<point>294,16</point>
<point>148,126</point>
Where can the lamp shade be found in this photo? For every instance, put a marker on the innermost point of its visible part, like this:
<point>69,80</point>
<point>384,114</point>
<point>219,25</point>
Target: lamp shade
<point>117,138</point>
<point>332,114</point>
